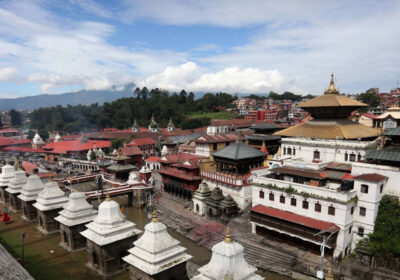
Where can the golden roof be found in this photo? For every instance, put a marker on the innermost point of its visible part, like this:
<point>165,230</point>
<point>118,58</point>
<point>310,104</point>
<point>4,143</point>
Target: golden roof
<point>330,129</point>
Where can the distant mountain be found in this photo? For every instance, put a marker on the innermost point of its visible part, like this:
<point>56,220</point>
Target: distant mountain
<point>83,97</point>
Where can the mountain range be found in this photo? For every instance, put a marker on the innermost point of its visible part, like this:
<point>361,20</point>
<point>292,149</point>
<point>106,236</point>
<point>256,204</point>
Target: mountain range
<point>83,97</point>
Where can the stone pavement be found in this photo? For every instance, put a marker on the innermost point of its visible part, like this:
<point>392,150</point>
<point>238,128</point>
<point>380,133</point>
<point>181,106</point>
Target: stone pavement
<point>10,269</point>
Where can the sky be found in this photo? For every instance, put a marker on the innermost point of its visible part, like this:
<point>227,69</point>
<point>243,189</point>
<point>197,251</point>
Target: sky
<point>235,46</point>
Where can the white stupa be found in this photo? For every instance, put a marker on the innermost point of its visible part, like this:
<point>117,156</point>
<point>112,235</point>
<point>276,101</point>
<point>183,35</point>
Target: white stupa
<point>16,183</point>
<point>110,225</point>
<point>164,151</point>
<point>227,263</point>
<point>57,138</point>
<point>77,211</point>
<point>30,191</point>
<point>37,140</point>
<point>50,198</point>
<point>156,251</point>
<point>7,173</point>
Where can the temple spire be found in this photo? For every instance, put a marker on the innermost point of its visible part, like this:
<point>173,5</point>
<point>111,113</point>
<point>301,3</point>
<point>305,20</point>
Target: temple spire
<point>154,215</point>
<point>332,89</point>
<point>228,236</point>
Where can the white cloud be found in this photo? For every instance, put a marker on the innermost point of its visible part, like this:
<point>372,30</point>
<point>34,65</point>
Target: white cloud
<point>191,77</point>
<point>7,73</point>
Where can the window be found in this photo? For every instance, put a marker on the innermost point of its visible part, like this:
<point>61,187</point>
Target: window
<point>214,146</point>
<point>352,157</point>
<point>362,211</point>
<point>352,210</point>
<point>361,231</point>
<point>350,228</point>
<point>381,189</point>
<point>289,151</point>
<point>271,196</point>
<point>261,194</point>
<point>364,188</point>
<point>346,156</point>
<point>293,201</point>
<point>331,210</point>
<point>282,199</point>
<point>305,204</point>
<point>316,155</point>
<point>358,157</point>
<point>294,151</point>
<point>317,207</point>
<point>284,150</point>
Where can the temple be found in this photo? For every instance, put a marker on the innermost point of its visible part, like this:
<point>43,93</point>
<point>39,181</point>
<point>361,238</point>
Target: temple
<point>156,255</point>
<point>108,238</point>
<point>7,173</point>
<point>49,202</point>
<point>72,219</point>
<point>29,193</point>
<point>227,262</point>
<point>14,189</point>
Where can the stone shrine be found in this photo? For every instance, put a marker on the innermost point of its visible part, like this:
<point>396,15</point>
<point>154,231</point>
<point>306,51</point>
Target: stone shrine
<point>28,196</point>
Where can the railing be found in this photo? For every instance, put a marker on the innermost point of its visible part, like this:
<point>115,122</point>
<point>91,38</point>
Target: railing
<point>236,181</point>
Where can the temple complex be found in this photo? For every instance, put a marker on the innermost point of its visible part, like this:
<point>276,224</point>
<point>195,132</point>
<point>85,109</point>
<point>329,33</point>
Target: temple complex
<point>28,196</point>
<point>108,238</point>
<point>72,219</point>
<point>7,173</point>
<point>14,189</point>
<point>227,262</point>
<point>157,255</point>
<point>49,202</point>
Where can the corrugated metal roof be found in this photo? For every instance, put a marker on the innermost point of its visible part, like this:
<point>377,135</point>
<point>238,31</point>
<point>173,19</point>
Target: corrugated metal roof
<point>392,132</point>
<point>390,153</point>
<point>238,151</point>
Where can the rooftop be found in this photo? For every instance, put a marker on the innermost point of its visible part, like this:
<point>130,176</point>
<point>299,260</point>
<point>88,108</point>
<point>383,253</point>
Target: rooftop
<point>238,151</point>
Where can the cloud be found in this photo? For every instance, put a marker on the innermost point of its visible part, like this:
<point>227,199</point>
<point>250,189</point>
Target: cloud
<point>7,74</point>
<point>191,77</point>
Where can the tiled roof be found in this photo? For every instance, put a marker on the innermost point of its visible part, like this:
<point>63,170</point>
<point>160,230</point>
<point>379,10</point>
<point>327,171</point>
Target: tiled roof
<point>294,218</point>
<point>130,151</point>
<point>28,166</point>
<point>238,151</point>
<point>368,115</point>
<point>179,160</point>
<point>179,174</point>
<point>371,177</point>
<point>143,141</point>
<point>7,141</point>
<point>63,147</point>
<point>230,137</point>
<point>301,172</point>
<point>23,149</point>
<point>153,159</point>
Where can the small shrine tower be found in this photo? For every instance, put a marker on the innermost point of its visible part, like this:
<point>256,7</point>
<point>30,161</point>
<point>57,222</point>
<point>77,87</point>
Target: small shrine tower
<point>7,173</point>
<point>37,141</point>
<point>29,193</point>
<point>171,126</point>
<point>72,219</point>
<point>200,197</point>
<point>50,201</point>
<point>14,190</point>
<point>227,262</point>
<point>108,238</point>
<point>153,126</point>
<point>157,255</point>
<point>135,127</point>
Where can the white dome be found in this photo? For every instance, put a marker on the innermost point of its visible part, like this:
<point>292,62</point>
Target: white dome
<point>17,182</point>
<point>57,138</point>
<point>37,139</point>
<point>32,188</point>
<point>51,197</point>
<point>109,213</point>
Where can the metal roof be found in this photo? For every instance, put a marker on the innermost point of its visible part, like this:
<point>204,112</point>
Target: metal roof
<point>262,137</point>
<point>390,153</point>
<point>238,151</point>
<point>392,132</point>
<point>265,125</point>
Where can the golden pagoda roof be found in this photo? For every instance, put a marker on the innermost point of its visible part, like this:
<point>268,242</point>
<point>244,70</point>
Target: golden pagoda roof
<point>330,129</point>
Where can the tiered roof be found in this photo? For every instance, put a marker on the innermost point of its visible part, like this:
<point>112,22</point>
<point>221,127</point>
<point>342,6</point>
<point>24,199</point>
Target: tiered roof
<point>50,198</point>
<point>7,173</point>
<point>238,151</point>
<point>31,189</point>
<point>156,250</point>
<point>227,262</point>
<point>77,211</point>
<point>17,182</point>
<point>109,225</point>
<point>203,191</point>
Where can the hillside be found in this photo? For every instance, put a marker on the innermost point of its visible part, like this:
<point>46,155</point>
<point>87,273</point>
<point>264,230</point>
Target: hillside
<point>82,97</point>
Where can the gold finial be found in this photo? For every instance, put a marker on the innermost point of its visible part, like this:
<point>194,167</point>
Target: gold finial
<point>154,215</point>
<point>228,236</point>
<point>16,166</point>
<point>6,160</point>
<point>332,89</point>
<point>329,274</point>
<point>108,197</point>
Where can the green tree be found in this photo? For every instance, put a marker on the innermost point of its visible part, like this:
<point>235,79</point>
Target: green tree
<point>116,144</point>
<point>16,118</point>
<point>369,98</point>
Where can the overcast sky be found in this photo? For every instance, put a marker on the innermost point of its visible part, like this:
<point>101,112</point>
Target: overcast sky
<point>237,46</point>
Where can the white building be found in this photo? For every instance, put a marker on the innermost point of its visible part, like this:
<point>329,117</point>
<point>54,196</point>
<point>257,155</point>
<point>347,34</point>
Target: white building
<point>157,255</point>
<point>153,163</point>
<point>227,262</point>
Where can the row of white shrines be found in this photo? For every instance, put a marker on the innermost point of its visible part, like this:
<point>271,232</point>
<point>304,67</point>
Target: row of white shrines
<point>107,235</point>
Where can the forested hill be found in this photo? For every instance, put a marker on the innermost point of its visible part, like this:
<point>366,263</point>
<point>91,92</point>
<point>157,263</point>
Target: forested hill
<point>82,97</point>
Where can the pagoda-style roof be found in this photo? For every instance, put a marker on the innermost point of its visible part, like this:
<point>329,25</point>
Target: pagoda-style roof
<point>330,129</point>
<point>50,198</point>
<point>156,251</point>
<point>203,191</point>
<point>228,202</point>
<point>15,184</point>
<point>227,262</point>
<point>238,151</point>
<point>31,189</point>
<point>109,225</point>
<point>77,211</point>
<point>215,198</point>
